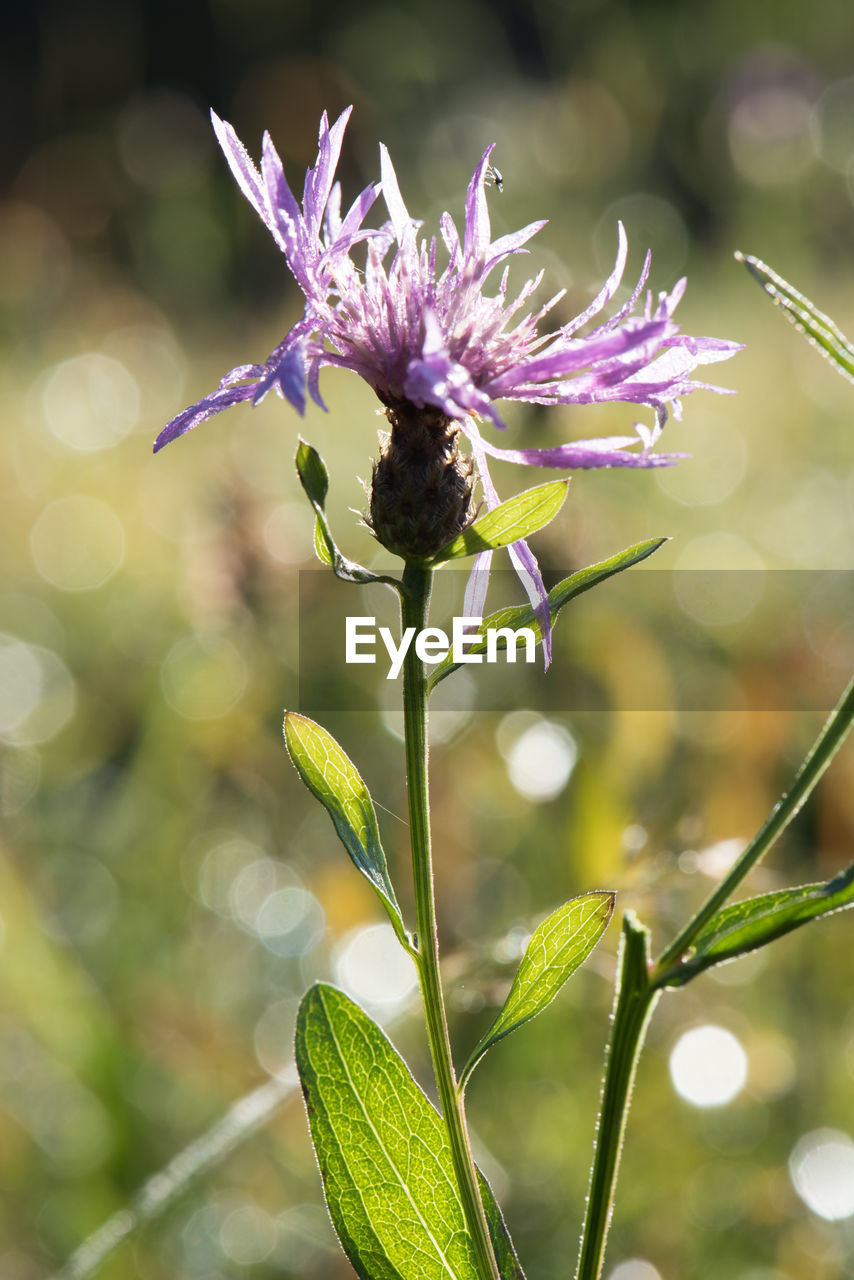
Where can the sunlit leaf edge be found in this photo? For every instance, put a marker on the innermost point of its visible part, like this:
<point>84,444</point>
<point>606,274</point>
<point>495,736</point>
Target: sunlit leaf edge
<point>508,1020</point>
<point>817,327</point>
<point>746,926</point>
<point>368,856</point>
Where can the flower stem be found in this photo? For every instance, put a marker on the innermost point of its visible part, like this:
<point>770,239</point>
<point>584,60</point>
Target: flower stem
<point>417,581</point>
<point>635,1001</point>
<point>824,749</point>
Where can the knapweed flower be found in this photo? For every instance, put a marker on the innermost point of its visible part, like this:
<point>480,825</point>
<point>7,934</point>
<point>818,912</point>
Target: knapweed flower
<point>451,338</point>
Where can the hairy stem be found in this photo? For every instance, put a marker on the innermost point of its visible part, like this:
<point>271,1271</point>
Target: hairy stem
<point>415,607</point>
<point>824,749</point>
<point>635,1001</point>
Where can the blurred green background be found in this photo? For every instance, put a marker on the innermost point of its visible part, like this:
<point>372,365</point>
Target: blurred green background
<point>167,889</point>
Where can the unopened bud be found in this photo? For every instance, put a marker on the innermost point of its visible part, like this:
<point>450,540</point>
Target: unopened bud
<point>421,486</point>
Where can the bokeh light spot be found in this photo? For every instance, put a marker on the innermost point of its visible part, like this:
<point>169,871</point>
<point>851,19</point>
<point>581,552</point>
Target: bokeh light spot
<point>164,140</point>
<point>635,1269</point>
<point>832,124</point>
<point>718,467</point>
<point>202,677</point>
<point>77,543</point>
<point>540,760</point>
<point>20,683</point>
<point>90,402</point>
<point>290,922</point>
<point>37,694</point>
<point>651,223</point>
<point>252,886</point>
<point>248,1235</point>
<point>373,967</point>
<point>273,1038</point>
<point>708,1066</point>
<point>719,579</point>
<point>769,135</point>
<point>220,868</point>
<point>821,1167</point>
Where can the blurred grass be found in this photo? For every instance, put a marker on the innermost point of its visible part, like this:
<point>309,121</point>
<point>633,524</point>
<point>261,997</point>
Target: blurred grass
<point>150,622</point>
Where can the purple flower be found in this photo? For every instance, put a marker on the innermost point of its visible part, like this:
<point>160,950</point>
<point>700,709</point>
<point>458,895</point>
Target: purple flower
<point>432,335</point>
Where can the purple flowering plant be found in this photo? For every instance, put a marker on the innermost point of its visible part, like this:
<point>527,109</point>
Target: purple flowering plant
<point>451,338</point>
<point>433,327</point>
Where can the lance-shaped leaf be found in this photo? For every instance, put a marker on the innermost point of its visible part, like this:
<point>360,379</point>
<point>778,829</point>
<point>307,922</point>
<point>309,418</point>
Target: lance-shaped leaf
<point>330,774</point>
<point>556,949</point>
<point>514,519</point>
<point>745,926</point>
<point>504,621</point>
<point>804,315</point>
<point>383,1152</point>
<point>314,479</point>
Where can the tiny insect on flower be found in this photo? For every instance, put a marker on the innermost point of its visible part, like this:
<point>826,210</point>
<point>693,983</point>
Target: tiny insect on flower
<point>494,177</point>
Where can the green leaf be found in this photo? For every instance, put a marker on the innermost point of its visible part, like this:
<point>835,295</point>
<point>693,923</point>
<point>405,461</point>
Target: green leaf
<point>556,949</point>
<point>753,923</point>
<point>522,615</point>
<point>314,479</point>
<point>331,775</point>
<point>804,315</point>
<point>383,1152</point>
<point>312,472</point>
<point>512,520</point>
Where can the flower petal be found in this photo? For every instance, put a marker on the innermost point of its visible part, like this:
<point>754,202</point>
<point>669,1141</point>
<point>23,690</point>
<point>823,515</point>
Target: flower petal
<point>287,372</point>
<point>528,573</point>
<point>584,455</point>
<point>476,237</point>
<point>223,398</point>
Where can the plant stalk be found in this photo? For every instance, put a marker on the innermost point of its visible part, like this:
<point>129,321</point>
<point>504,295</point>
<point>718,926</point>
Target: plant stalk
<point>415,605</point>
<point>823,750</point>
<point>634,1003</point>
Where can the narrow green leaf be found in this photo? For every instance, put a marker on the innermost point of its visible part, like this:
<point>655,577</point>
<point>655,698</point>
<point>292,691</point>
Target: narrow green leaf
<point>331,775</point>
<point>804,315</point>
<point>314,479</point>
<point>753,923</point>
<point>556,949</point>
<point>522,615</point>
<point>383,1152</point>
<point>514,519</point>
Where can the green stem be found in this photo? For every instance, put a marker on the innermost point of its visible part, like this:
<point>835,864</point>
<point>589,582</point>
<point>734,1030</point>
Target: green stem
<point>824,749</point>
<point>417,581</point>
<point>635,1001</point>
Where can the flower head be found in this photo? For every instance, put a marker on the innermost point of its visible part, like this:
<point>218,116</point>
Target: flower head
<point>451,337</point>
